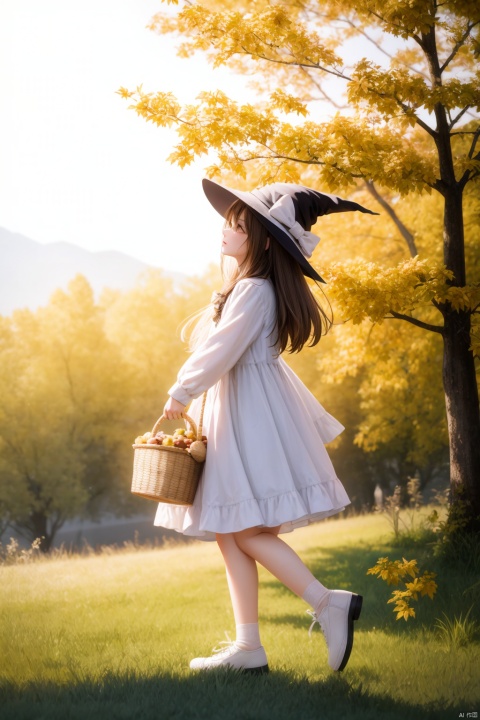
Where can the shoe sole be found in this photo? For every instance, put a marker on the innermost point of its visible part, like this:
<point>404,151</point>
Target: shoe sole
<point>353,614</point>
<point>249,671</point>
<point>256,671</point>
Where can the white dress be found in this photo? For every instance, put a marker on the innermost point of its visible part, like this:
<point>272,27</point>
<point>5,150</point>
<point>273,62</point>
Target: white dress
<point>266,461</point>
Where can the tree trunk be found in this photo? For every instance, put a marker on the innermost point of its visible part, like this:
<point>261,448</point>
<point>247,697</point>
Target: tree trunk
<point>463,418</point>
<point>459,378</point>
<point>38,527</point>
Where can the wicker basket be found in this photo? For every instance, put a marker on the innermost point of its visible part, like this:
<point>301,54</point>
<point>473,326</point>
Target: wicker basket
<point>167,474</point>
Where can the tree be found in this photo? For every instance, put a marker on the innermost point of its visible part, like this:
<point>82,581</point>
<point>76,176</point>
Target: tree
<point>400,133</point>
<point>65,391</point>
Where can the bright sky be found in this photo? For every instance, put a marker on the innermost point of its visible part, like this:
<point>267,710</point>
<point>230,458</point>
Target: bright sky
<point>75,164</point>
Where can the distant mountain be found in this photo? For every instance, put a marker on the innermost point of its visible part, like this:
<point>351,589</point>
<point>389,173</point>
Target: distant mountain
<point>31,271</point>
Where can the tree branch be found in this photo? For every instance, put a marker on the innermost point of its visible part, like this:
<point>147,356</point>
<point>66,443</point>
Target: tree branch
<point>456,119</point>
<point>458,45</point>
<point>404,232</point>
<point>275,156</point>
<point>440,186</point>
<point>419,323</point>
<point>296,63</point>
<point>378,45</point>
<point>474,142</point>
<point>57,524</point>
<point>472,114</point>
<point>321,90</point>
<point>463,132</point>
<point>418,120</point>
<point>471,174</point>
<point>467,175</point>
<point>389,22</point>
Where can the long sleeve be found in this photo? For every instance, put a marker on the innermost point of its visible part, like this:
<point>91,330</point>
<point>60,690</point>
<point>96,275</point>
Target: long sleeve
<point>242,320</point>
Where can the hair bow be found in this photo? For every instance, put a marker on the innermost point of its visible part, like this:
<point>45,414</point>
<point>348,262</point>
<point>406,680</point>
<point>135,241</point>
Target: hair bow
<point>284,212</point>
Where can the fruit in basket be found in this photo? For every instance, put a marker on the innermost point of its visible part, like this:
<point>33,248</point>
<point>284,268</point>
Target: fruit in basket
<point>182,439</point>
<point>198,450</point>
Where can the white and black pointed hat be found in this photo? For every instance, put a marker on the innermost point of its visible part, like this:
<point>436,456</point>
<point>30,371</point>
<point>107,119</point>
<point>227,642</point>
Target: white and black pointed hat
<point>288,212</point>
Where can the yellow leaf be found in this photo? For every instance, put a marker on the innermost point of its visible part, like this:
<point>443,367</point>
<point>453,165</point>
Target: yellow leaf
<point>124,92</point>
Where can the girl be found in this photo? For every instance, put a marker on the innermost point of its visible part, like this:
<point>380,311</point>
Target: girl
<point>267,470</point>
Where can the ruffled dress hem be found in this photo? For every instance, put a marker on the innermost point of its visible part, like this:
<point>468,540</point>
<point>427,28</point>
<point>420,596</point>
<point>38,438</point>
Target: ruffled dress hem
<point>290,510</point>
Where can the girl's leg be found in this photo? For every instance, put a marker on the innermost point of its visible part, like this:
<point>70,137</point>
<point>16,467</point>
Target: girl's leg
<point>246,653</point>
<point>242,578</point>
<point>264,545</point>
<point>335,610</point>
<point>283,562</point>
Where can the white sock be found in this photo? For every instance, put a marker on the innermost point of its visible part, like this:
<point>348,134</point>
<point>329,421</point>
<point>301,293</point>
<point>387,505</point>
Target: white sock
<point>248,637</point>
<point>316,595</point>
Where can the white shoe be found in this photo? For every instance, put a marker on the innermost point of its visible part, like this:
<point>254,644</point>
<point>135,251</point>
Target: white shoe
<point>252,661</point>
<point>336,620</point>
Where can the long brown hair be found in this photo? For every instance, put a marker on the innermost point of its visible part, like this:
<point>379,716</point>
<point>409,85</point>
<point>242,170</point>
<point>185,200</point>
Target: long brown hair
<point>300,317</point>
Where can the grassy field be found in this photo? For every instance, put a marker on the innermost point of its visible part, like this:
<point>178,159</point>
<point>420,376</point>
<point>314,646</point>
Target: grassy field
<point>111,636</point>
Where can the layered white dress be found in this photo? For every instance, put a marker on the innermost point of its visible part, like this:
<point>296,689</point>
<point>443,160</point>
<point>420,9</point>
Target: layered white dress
<point>266,461</point>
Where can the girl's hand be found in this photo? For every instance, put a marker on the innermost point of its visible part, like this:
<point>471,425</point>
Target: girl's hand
<point>173,409</point>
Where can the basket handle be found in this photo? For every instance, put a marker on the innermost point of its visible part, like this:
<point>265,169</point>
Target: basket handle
<point>185,417</point>
<point>196,431</point>
<point>200,420</point>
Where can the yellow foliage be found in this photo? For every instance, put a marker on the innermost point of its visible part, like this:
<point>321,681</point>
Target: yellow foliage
<point>297,47</point>
<point>394,572</point>
<point>343,149</point>
<point>269,32</point>
<point>368,290</point>
<point>78,378</point>
<point>399,398</point>
<point>123,92</point>
<point>64,394</point>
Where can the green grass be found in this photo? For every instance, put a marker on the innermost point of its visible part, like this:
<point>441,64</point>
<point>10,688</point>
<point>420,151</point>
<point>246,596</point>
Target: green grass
<point>111,636</point>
